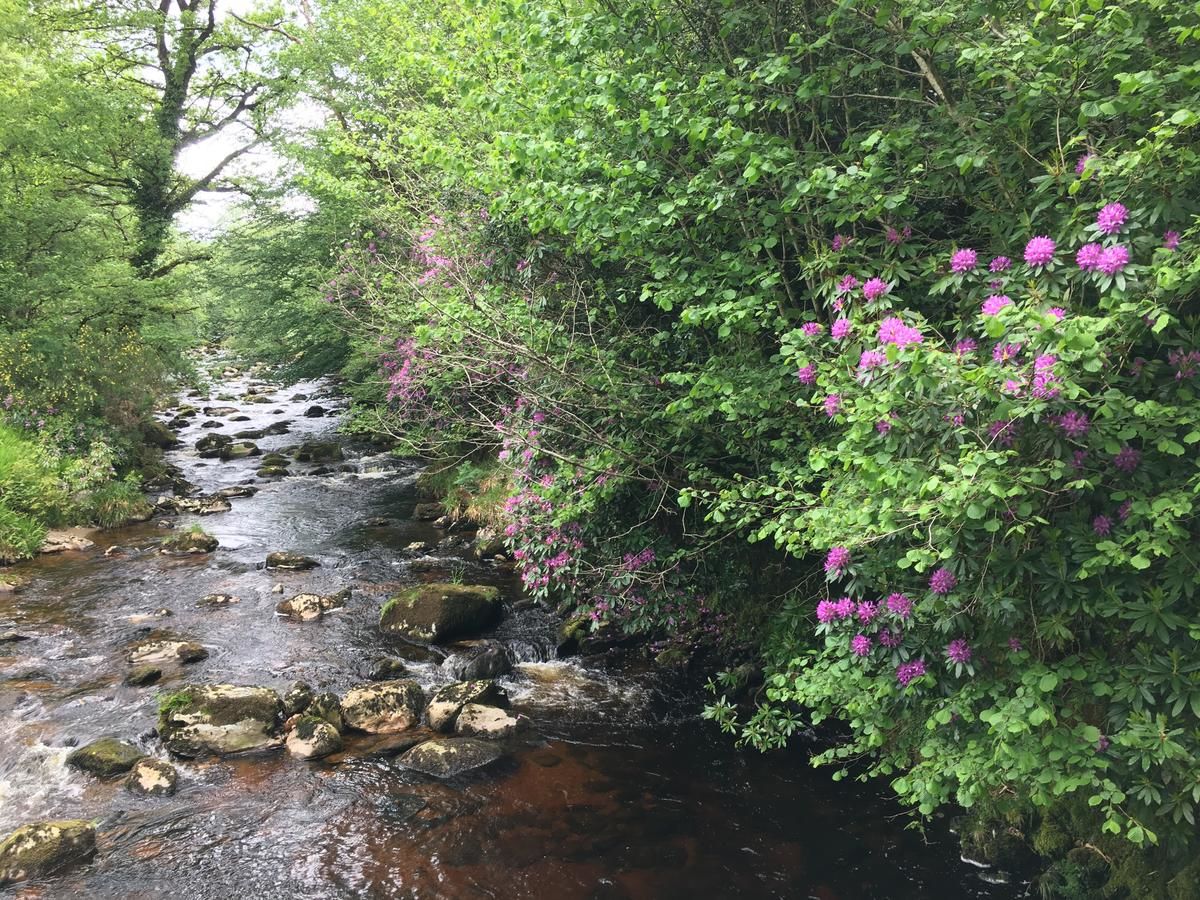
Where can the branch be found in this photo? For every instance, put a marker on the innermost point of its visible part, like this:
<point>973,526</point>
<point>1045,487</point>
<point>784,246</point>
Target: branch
<point>202,184</point>
<point>272,29</point>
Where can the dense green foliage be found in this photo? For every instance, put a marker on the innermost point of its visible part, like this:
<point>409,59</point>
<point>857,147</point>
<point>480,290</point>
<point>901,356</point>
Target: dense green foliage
<point>590,236</point>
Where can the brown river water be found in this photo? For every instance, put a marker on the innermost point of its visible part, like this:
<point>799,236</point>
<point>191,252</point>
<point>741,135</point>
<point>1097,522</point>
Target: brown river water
<point>617,790</point>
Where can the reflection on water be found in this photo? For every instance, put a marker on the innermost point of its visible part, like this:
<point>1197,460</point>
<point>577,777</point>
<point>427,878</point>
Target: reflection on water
<point>615,792</point>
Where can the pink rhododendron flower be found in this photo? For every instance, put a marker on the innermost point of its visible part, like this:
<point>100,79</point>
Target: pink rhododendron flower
<point>860,645</point>
<point>963,261</point>
<point>1111,218</point>
<point>1000,264</point>
<point>1039,251</point>
<point>875,288</point>
<point>892,330</point>
<point>1088,256</point>
<point>942,581</point>
<point>994,304</point>
<point>1113,259</point>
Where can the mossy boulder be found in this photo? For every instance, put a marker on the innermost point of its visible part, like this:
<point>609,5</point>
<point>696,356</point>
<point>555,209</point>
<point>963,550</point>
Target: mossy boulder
<point>319,451</point>
<point>140,676</point>
<point>152,778</point>
<point>327,706</point>
<point>105,757</point>
<point>384,707</point>
<point>439,612</point>
<point>313,738</point>
<point>312,606</point>
<point>240,450</point>
<point>164,647</point>
<point>156,434</point>
<point>210,445</point>
<point>388,669</point>
<point>571,633</point>
<point>298,698</point>
<point>221,719</point>
<point>489,722</point>
<point>190,542</point>
<point>448,702</point>
<point>283,559</point>
<point>44,848</point>
<point>447,757</point>
<point>271,471</point>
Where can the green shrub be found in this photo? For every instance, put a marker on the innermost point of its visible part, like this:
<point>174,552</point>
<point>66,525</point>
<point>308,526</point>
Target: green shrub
<point>20,535</point>
<point>117,503</point>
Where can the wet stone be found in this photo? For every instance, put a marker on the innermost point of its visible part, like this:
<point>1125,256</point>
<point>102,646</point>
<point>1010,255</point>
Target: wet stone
<point>438,612</point>
<point>447,757</point>
<point>152,778</point>
<point>388,669</point>
<point>221,719</point>
<point>157,650</point>
<point>448,702</point>
<point>217,601</point>
<point>105,757</point>
<point>307,607</point>
<point>384,707</point>
<point>190,542</point>
<point>43,848</point>
<point>328,707</point>
<point>297,699</point>
<point>313,738</point>
<point>286,560</point>
<point>141,676</point>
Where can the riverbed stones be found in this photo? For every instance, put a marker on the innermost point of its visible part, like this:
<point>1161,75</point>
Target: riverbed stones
<point>489,543</point>
<point>65,540</point>
<point>156,434</point>
<point>141,676</point>
<point>237,490</point>
<point>327,707</point>
<point>384,707</point>
<point>448,702</point>
<point>319,452</point>
<point>427,512</point>
<point>316,411</point>
<point>152,778</point>
<point>480,659</point>
<point>388,669</point>
<point>189,542</point>
<point>105,757</point>
<point>217,601</point>
<point>12,637</point>
<point>313,738</point>
<point>161,647</point>
<point>220,410</point>
<point>447,757</point>
<point>43,848</point>
<point>221,719</point>
<point>210,445</point>
<point>240,450</point>
<point>477,720</point>
<point>439,611</point>
<point>307,607</point>
<point>283,559</point>
<point>297,699</point>
<point>198,506</point>
<point>272,471</point>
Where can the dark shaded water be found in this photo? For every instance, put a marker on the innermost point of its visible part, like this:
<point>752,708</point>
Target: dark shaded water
<point>618,792</point>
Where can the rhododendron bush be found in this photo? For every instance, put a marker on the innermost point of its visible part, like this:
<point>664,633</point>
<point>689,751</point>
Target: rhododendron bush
<point>886,311</point>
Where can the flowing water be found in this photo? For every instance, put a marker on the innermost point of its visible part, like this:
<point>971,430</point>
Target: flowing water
<point>618,791</point>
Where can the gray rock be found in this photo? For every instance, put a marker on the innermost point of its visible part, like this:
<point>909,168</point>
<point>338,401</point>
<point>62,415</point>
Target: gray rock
<point>240,450</point>
<point>319,452</point>
<point>272,471</point>
<point>162,648</point>
<point>483,659</point>
<point>237,490</point>
<point>388,669</point>
<point>152,778</point>
<point>384,707</point>
<point>447,757</point>
<point>297,699</point>
<point>198,506</point>
<point>489,543</point>
<point>220,719</point>
<point>427,512</point>
<point>327,707</point>
<point>439,611</point>
<point>210,445</point>
<point>476,720</point>
<point>313,738</point>
<point>105,757</point>
<point>314,412</point>
<point>190,542</point>
<point>312,606</point>
<point>220,410</point>
<point>12,637</point>
<point>44,848</point>
<point>217,601</point>
<point>140,676</point>
<point>285,560</point>
<point>448,702</point>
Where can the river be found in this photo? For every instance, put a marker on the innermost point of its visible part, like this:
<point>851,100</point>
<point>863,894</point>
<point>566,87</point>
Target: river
<point>617,790</point>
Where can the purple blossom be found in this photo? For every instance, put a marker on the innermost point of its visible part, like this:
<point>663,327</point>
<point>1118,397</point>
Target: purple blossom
<point>812,329</point>
<point>963,261</point>
<point>1111,218</point>
<point>871,359</point>
<point>860,645</point>
<point>942,581</point>
<point>1082,163</point>
<point>1127,460</point>
<point>993,304</point>
<point>833,404</point>
<point>1078,459</point>
<point>1171,240</point>
<point>1058,312</point>
<point>1002,353</point>
<point>892,236</point>
<point>1002,433</point>
<point>1014,644</point>
<point>866,611</point>
<point>890,638</point>
<point>899,605</point>
<point>874,289</point>
<point>908,672</point>
<point>883,426</point>
<point>826,611</point>
<point>1124,510</point>
<point>892,330</point>
<point>841,328</point>
<point>1000,264</point>
<point>839,241</point>
<point>1044,362</point>
<point>807,374</point>
<point>1074,424</point>
<point>847,284</point>
<point>1039,251</point>
<point>836,560</point>
<point>1113,259</point>
<point>959,651</point>
<point>1088,256</point>
<point>1102,525</point>
<point>965,346</point>
<point>1186,365</point>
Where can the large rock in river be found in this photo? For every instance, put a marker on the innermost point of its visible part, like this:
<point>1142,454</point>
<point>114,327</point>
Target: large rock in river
<point>105,757</point>
<point>447,757</point>
<point>152,778</point>
<point>448,702</point>
<point>44,848</point>
<point>489,722</point>
<point>219,719</point>
<point>384,707</point>
<point>439,611</point>
<point>312,606</point>
<point>283,559</point>
<point>313,738</point>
